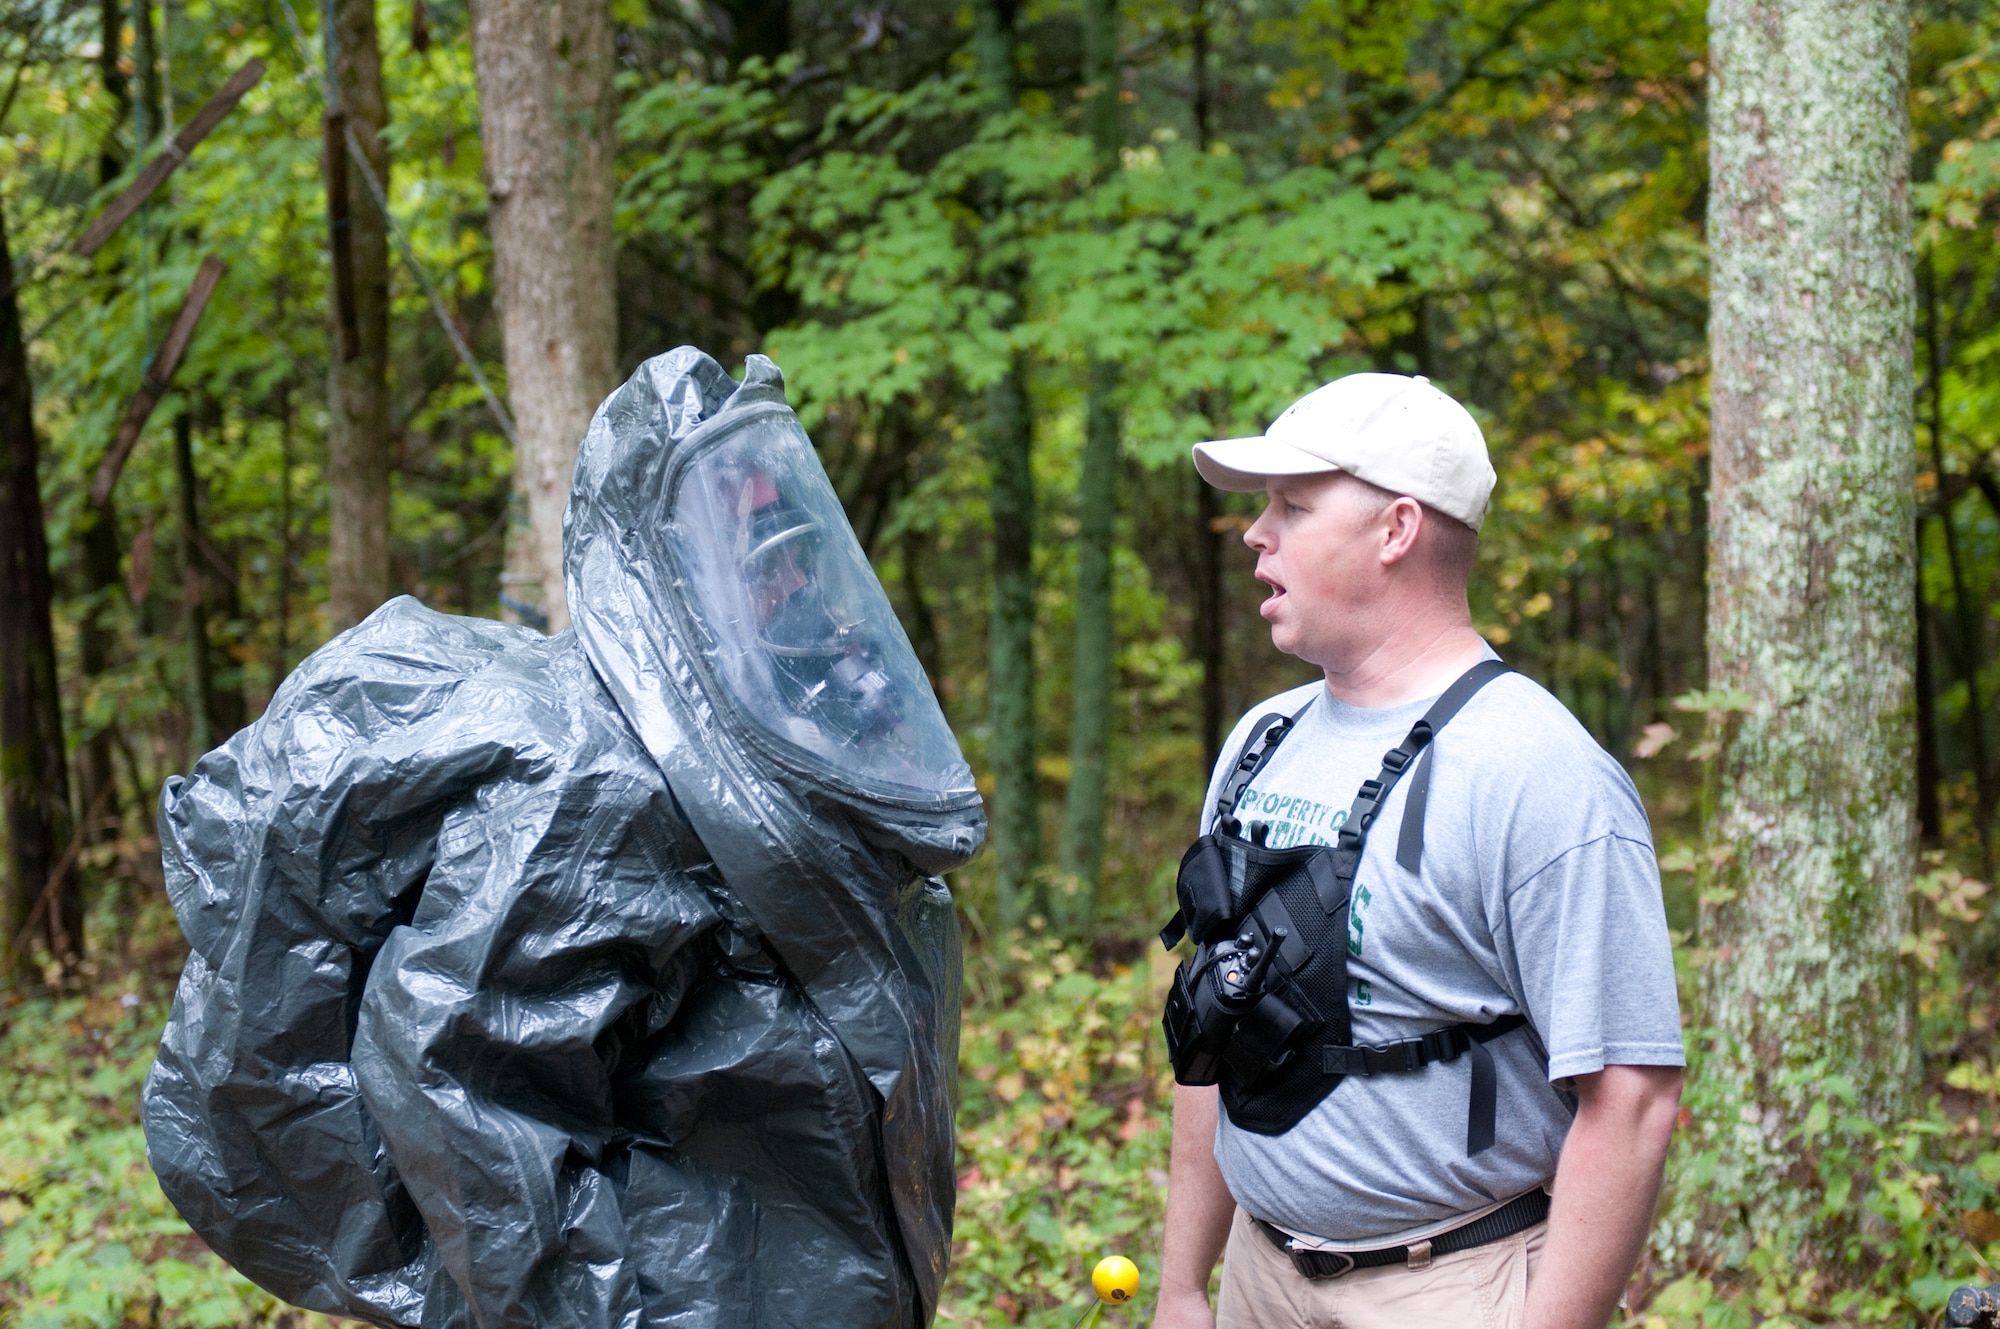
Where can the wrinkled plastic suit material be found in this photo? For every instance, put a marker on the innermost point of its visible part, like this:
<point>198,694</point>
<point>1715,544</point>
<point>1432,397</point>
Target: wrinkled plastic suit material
<point>596,980</point>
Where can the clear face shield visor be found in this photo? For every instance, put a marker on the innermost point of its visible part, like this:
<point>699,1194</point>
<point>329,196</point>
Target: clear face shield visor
<point>795,624</point>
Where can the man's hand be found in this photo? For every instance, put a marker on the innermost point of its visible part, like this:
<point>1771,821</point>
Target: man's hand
<point>1606,1185</point>
<point>1199,1209</point>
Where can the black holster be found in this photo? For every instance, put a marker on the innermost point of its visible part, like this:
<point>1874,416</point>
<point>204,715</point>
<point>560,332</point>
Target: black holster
<point>1260,1010</point>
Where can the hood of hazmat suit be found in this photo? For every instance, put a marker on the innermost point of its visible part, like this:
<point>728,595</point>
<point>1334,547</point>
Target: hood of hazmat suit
<point>602,980</point>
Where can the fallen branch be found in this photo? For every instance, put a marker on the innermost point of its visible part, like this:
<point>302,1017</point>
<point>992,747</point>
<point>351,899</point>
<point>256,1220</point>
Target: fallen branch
<point>159,375</point>
<point>169,158</point>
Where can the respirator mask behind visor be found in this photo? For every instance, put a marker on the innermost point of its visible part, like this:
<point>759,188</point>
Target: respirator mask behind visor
<point>793,622</point>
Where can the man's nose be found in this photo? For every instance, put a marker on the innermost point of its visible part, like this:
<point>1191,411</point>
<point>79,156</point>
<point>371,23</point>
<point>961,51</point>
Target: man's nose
<point>1257,536</point>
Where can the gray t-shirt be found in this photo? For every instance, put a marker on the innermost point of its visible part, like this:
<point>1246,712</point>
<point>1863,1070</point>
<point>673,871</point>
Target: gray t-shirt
<point>1538,893</point>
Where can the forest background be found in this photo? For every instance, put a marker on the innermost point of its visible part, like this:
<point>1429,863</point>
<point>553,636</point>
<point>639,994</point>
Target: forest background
<point>1007,290</point>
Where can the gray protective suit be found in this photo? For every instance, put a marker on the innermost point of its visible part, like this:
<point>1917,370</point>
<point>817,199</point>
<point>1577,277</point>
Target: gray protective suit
<point>596,980</point>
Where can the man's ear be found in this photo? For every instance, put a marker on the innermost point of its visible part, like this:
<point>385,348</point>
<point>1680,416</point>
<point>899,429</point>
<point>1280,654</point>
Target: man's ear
<point>1402,527</point>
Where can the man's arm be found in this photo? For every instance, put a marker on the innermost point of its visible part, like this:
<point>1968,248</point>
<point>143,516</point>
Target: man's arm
<point>1606,1184</point>
<point>1199,1209</point>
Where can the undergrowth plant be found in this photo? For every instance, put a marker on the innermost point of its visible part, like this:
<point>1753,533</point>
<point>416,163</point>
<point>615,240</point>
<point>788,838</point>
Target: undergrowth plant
<point>86,1236</point>
<point>1063,1140</point>
<point>1910,1205</point>
<point>1064,1134</point>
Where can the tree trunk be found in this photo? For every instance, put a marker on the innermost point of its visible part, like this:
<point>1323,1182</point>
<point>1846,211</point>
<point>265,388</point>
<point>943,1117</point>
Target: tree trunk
<point>96,780</point>
<point>97,542</point>
<point>34,779</point>
<point>1094,673</point>
<point>924,638</point>
<point>1971,618</point>
<point>1810,577</point>
<point>1930,822</point>
<point>761,28</point>
<point>586,62</point>
<point>111,154</point>
<point>546,118</point>
<point>1971,640</point>
<point>1009,442</point>
<point>1103,76</point>
<point>1016,816</point>
<point>1210,608</point>
<point>203,731</point>
<point>281,663</point>
<point>357,436</point>
<point>146,122</point>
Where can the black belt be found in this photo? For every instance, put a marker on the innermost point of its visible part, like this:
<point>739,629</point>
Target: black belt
<point>1517,1215</point>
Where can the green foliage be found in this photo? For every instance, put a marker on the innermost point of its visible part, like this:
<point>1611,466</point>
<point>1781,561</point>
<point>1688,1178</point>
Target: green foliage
<point>1064,1132</point>
<point>1369,186</point>
<point>253,379</point>
<point>86,1237</point>
<point>1506,196</point>
<point>1183,261</point>
<point>1913,1204</point>
<point>1063,1137</point>
<point>1063,1143</point>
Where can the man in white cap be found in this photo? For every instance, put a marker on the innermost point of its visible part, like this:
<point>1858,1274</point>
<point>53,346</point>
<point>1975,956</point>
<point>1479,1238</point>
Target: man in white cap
<point>1512,947</point>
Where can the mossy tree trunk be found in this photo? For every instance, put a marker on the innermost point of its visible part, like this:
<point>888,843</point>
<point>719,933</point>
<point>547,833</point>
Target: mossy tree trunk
<point>1008,437</point>
<point>586,61</point>
<point>1095,668</point>
<point>546,116</point>
<point>1812,565</point>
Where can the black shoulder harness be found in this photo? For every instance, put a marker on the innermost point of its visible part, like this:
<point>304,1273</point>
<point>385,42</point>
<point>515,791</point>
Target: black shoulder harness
<point>1261,1008</point>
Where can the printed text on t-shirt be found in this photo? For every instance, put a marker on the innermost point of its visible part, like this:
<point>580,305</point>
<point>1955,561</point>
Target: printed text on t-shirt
<point>1294,821</point>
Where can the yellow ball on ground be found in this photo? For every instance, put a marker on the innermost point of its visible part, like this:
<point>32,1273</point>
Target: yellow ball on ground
<point>1116,1279</point>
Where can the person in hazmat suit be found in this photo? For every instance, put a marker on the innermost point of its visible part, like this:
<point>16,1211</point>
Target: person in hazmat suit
<point>596,980</point>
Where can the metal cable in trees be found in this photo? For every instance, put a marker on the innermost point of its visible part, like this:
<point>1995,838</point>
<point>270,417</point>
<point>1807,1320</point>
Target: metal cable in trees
<point>1008,437</point>
<point>1810,578</point>
<point>1093,675</point>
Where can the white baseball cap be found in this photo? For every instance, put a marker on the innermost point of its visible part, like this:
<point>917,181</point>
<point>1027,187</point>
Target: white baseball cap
<point>1399,434</point>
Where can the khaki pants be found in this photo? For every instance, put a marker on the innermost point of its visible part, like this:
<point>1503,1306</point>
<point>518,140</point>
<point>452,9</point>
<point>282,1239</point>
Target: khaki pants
<point>1484,1287</point>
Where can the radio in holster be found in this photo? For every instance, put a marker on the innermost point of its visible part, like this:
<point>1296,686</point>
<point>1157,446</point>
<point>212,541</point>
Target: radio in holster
<point>1260,1009</point>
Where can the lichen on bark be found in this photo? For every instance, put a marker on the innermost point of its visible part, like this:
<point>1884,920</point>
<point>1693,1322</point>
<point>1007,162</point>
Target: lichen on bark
<point>546,122</point>
<point>1810,607</point>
